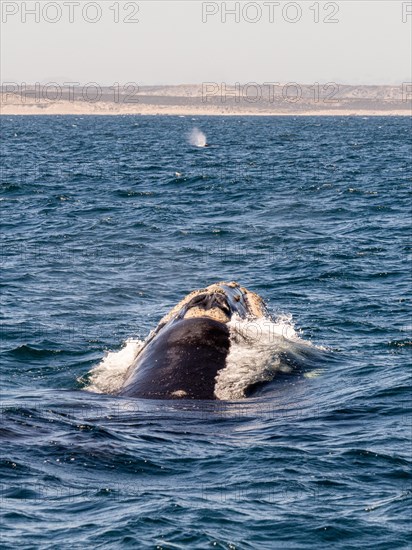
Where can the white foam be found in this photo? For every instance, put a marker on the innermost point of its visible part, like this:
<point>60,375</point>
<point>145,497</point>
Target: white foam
<point>197,138</point>
<point>256,349</point>
<point>108,376</point>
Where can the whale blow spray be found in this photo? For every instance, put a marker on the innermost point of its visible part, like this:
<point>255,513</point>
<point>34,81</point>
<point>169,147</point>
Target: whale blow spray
<point>197,138</point>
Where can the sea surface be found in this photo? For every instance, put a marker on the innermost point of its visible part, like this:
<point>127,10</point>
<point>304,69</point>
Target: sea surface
<point>107,222</point>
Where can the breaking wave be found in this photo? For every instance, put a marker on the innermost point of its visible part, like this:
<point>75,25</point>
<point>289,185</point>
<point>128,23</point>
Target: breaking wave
<point>109,374</point>
<point>259,350</point>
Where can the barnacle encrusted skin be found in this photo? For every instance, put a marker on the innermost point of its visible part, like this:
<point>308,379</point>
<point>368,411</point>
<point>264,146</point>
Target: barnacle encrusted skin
<point>212,313</point>
<point>253,300</point>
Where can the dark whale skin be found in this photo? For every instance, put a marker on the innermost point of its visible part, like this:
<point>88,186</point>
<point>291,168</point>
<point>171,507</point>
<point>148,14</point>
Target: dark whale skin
<point>183,357</point>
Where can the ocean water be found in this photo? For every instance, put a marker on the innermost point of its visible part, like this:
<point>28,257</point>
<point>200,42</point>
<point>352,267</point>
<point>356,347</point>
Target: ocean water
<point>107,223</point>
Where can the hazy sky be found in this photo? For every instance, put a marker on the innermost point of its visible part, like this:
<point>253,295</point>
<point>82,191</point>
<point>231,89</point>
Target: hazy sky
<point>190,42</point>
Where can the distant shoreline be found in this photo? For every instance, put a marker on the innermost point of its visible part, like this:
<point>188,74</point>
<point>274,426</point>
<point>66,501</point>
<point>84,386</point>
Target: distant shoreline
<point>207,99</point>
<point>213,114</point>
<point>81,109</point>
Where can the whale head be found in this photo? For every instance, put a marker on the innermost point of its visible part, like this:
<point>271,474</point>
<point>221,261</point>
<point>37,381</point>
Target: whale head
<point>182,356</point>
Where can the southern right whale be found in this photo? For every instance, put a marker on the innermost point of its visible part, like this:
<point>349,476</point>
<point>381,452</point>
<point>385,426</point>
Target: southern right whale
<point>183,355</point>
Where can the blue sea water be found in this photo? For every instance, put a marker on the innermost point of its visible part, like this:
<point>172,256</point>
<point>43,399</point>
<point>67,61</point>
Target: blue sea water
<point>107,223</point>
